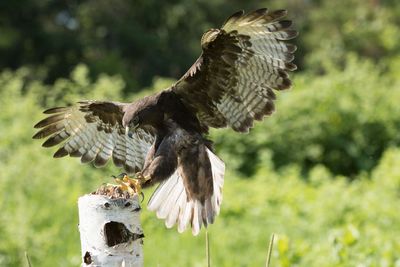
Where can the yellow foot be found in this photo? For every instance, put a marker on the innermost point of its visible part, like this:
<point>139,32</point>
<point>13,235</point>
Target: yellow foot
<point>131,185</point>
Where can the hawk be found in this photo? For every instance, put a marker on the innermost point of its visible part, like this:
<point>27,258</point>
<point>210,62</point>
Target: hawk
<point>163,137</point>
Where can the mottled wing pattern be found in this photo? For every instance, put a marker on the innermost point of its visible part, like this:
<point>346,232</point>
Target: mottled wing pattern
<point>232,82</point>
<point>92,130</point>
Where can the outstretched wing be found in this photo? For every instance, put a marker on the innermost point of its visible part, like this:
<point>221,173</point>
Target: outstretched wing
<point>231,83</point>
<point>93,131</point>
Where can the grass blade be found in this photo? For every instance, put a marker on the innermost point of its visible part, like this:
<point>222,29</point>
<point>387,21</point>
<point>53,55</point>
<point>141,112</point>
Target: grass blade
<point>28,260</point>
<point>208,249</point>
<point>271,244</point>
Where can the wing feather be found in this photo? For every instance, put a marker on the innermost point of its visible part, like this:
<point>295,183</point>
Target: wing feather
<point>93,131</point>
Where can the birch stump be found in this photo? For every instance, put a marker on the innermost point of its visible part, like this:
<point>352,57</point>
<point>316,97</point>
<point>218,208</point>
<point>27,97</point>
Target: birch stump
<point>109,225</point>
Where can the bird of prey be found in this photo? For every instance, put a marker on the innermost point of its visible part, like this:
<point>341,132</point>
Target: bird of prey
<point>162,138</point>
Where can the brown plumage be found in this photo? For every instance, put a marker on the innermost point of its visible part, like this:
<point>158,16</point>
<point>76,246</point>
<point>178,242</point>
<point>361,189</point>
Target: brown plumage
<point>163,135</point>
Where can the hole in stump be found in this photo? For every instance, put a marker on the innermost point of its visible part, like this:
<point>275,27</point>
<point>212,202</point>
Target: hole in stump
<point>107,205</point>
<point>116,233</point>
<point>87,258</point>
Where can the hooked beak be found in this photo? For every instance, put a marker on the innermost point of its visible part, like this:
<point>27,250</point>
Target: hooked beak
<point>129,132</point>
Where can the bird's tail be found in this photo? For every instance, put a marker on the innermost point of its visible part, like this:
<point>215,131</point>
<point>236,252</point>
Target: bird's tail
<point>170,201</point>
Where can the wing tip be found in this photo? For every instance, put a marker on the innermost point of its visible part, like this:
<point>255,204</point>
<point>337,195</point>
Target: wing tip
<point>41,123</point>
<point>87,157</point>
<point>49,120</point>
<point>50,142</point>
<point>290,34</point>
<point>279,13</point>
<point>61,152</point>
<point>234,17</point>
<point>261,11</point>
<point>255,14</point>
<point>99,161</point>
<point>55,110</point>
<point>290,66</point>
<point>285,24</point>
<point>37,135</point>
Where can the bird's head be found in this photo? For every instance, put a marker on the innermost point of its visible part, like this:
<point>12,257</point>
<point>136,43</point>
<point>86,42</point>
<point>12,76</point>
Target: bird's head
<point>131,124</point>
<point>208,37</point>
<point>143,113</point>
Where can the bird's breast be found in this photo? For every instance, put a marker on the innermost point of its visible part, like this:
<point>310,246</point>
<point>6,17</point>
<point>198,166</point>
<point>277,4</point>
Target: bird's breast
<point>183,139</point>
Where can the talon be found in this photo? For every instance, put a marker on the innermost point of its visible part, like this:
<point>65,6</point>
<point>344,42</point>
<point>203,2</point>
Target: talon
<point>142,194</point>
<point>134,183</point>
<point>142,178</point>
<point>139,175</point>
<point>128,184</point>
<point>122,185</point>
<point>126,179</point>
<point>122,175</point>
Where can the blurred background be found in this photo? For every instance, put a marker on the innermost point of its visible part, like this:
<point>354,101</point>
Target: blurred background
<point>323,173</point>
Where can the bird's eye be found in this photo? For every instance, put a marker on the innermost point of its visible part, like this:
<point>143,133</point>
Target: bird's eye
<point>135,120</point>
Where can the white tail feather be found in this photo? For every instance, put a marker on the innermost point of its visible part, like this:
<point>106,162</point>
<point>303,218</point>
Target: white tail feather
<point>170,201</point>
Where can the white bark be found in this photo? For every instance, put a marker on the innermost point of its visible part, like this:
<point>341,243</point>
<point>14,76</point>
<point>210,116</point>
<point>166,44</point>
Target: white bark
<point>110,231</point>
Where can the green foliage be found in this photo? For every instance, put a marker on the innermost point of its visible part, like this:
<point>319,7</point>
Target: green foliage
<point>343,120</point>
<point>368,29</point>
<point>140,39</point>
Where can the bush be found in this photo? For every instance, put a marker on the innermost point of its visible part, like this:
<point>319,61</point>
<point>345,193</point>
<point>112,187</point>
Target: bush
<point>328,33</point>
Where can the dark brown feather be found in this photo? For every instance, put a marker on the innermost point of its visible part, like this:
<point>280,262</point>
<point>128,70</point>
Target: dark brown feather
<point>277,14</point>
<point>282,25</point>
<point>99,161</point>
<point>55,110</point>
<point>61,152</point>
<point>291,34</point>
<point>76,154</point>
<point>56,139</point>
<point>48,130</point>
<point>87,157</point>
<point>234,16</point>
<point>49,120</point>
<point>255,15</point>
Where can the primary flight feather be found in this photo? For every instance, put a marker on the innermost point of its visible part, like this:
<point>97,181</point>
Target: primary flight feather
<point>162,136</point>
